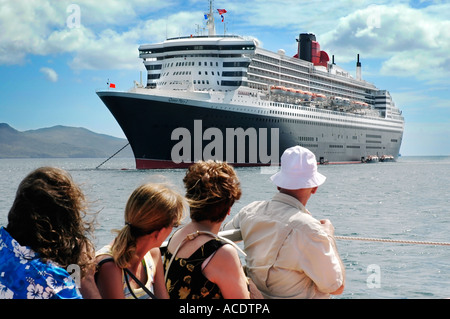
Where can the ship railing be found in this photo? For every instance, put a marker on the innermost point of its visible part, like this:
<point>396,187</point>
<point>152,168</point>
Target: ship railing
<point>207,36</point>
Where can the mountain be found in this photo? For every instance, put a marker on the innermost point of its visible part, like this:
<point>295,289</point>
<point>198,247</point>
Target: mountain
<point>59,142</point>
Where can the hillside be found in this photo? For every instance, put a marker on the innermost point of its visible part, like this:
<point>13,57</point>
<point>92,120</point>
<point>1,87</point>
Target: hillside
<point>59,142</point>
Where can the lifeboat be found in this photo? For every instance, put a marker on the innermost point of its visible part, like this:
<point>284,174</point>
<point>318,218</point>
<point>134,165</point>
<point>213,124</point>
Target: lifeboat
<point>372,159</point>
<point>337,100</point>
<point>319,97</point>
<point>345,101</point>
<point>300,94</point>
<point>291,92</point>
<point>308,95</point>
<point>278,90</point>
<point>387,158</point>
<point>361,104</point>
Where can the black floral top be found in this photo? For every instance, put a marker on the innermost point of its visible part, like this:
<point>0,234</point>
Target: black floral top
<point>185,279</point>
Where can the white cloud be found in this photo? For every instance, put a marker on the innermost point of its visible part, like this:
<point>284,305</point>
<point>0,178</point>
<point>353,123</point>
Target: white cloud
<point>407,40</point>
<point>410,42</point>
<point>110,49</point>
<point>39,28</point>
<point>23,25</point>
<point>50,74</point>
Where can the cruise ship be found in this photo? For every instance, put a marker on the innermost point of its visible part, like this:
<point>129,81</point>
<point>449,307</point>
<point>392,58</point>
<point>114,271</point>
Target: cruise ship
<point>223,97</point>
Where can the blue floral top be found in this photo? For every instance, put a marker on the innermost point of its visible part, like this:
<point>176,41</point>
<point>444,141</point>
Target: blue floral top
<point>24,276</point>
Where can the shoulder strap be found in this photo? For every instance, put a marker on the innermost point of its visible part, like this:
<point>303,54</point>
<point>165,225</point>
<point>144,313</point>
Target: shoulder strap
<point>193,236</point>
<point>127,272</point>
<point>105,260</point>
<point>99,264</point>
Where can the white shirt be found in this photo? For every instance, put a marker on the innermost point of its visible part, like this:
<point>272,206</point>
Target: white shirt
<point>289,255</point>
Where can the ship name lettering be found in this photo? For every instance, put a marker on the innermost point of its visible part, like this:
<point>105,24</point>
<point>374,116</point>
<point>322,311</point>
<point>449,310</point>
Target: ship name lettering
<point>179,101</point>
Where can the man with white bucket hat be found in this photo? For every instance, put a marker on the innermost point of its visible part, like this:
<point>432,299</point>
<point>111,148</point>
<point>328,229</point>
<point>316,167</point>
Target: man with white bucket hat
<point>290,254</point>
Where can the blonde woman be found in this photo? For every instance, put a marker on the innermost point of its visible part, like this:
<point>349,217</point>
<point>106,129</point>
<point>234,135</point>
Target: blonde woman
<point>135,269</point>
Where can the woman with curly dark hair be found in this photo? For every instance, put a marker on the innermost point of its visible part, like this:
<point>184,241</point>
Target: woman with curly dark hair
<point>45,238</point>
<point>198,264</point>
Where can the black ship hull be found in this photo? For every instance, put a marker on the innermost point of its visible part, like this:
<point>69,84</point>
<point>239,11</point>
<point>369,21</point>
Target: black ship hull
<point>174,133</point>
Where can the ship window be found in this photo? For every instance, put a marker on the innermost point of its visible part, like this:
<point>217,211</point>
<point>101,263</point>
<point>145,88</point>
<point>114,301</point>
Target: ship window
<point>154,67</point>
<point>235,73</point>
<point>236,64</point>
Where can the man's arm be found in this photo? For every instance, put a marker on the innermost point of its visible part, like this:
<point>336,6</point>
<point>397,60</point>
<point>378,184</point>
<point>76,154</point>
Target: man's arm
<point>329,229</point>
<point>232,224</point>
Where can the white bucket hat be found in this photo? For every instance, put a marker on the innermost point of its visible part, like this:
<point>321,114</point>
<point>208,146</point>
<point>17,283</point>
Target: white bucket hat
<point>298,170</point>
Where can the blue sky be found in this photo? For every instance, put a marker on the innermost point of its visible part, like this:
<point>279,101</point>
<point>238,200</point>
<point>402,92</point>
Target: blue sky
<point>51,62</point>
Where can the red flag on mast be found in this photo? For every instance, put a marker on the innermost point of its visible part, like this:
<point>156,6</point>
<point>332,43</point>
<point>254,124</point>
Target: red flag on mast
<point>221,12</point>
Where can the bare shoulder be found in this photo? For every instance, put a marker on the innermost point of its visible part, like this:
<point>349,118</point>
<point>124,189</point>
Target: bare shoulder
<point>225,257</point>
<point>226,271</point>
<point>109,279</point>
<point>107,265</point>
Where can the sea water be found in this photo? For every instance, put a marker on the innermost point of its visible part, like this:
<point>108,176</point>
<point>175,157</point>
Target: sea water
<point>407,200</point>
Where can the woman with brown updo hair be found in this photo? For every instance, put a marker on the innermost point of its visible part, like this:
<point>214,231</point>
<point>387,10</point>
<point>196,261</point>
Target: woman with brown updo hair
<point>150,213</point>
<point>197,263</point>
